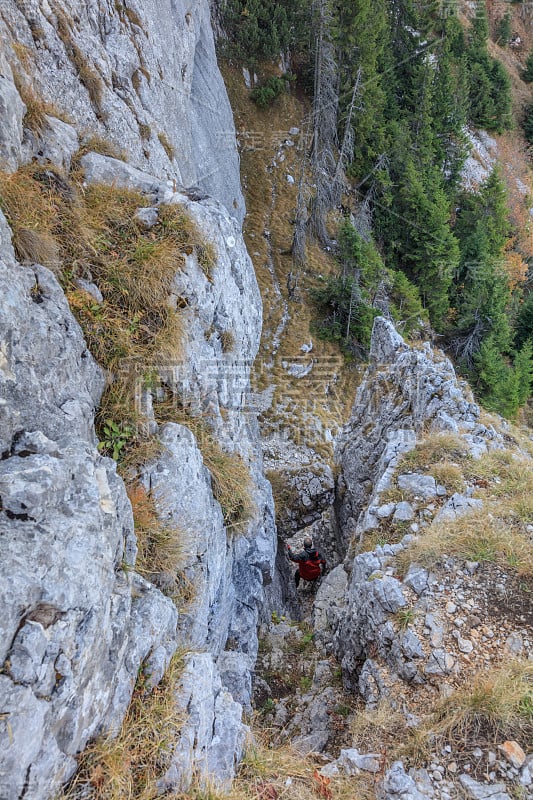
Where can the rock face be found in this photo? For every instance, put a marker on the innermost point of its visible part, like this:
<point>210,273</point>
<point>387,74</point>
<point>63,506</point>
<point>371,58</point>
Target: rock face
<point>78,622</point>
<point>149,83</point>
<point>405,390</point>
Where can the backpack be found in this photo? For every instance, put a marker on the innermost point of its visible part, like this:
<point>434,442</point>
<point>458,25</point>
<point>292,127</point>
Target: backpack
<point>310,569</point>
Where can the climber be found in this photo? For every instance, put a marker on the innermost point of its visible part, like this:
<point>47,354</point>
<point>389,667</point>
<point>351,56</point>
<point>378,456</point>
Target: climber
<point>311,563</point>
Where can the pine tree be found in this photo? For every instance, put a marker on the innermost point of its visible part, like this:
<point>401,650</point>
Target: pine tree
<point>501,98</point>
<point>504,29</point>
<point>527,124</point>
<point>524,323</point>
<point>429,251</point>
<point>523,365</point>
<point>527,74</point>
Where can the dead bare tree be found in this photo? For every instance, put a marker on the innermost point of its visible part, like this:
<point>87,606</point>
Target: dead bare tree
<point>325,115</point>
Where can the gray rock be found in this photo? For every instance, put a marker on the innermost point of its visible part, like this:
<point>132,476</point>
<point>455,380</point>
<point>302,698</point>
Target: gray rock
<point>514,644</point>
<point>148,217</point>
<point>420,485</point>
<point>104,169</point>
<point>386,342</point>
<point>439,663</point>
<point>457,505</point>
<point>181,97</point>
<point>404,512</point>
<point>329,605</point>
<point>76,624</point>
<point>351,762</point>
<point>90,288</point>
<point>12,110</point>
<point>57,143</point>
<point>386,510</point>
<point>213,735</point>
<point>236,675</point>
<point>314,742</point>
<point>398,785</point>
<point>418,579</point>
<point>483,791</point>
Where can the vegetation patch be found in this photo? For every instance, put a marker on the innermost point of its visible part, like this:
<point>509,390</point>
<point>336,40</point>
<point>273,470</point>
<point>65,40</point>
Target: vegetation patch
<point>130,764</point>
<point>162,549</point>
<point>36,108</point>
<point>92,233</point>
<point>167,146</point>
<point>265,94</point>
<point>476,536</point>
<point>496,705</point>
<point>433,449</point>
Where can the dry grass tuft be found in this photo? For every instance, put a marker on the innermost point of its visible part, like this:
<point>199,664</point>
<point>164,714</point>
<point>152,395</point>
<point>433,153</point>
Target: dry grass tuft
<point>269,772</point>
<point>37,247</point>
<point>91,232</point>
<point>433,448</point>
<point>167,146</point>
<point>97,144</point>
<point>29,208</point>
<point>232,484</point>
<point>494,706</point>
<point>36,107</point>
<point>145,131</point>
<point>477,536</point>
<point>129,765</point>
<point>449,475</point>
<point>161,552</point>
<point>227,340</point>
<point>383,730</point>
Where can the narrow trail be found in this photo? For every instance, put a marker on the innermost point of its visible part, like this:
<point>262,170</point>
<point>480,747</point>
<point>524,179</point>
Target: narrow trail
<point>275,336</point>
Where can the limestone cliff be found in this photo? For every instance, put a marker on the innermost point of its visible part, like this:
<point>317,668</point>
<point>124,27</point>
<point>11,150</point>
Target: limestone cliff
<point>142,75</point>
<point>78,621</point>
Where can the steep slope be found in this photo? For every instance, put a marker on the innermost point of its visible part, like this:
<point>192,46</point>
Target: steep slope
<point>143,76</point>
<point>80,623</point>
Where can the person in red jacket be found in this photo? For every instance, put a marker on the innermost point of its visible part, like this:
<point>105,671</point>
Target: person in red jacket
<point>311,563</point>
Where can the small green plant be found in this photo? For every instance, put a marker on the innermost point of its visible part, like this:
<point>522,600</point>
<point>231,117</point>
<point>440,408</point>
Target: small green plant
<point>405,617</point>
<point>305,683</point>
<point>277,618</point>
<point>269,706</point>
<point>116,437</point>
<point>343,710</point>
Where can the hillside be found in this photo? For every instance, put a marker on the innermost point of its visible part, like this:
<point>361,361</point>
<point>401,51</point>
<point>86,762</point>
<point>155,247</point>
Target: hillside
<point>277,290</point>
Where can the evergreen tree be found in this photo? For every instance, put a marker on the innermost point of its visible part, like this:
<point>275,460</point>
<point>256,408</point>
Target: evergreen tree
<point>524,323</point>
<point>523,365</point>
<point>528,124</point>
<point>504,31</point>
<point>501,97</point>
<point>489,84</point>
<point>428,250</point>
<point>527,74</point>
<point>361,37</point>
<point>497,383</point>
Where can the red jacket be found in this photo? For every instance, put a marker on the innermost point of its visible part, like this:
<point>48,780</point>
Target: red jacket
<point>309,563</point>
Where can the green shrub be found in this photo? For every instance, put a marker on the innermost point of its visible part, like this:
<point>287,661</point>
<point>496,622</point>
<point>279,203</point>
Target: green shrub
<point>527,74</point>
<point>527,124</point>
<point>263,96</point>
